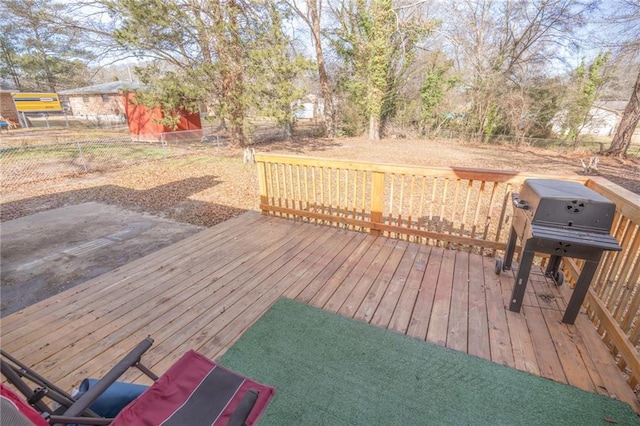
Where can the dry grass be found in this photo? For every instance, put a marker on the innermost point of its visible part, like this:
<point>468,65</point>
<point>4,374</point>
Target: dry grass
<point>208,186</point>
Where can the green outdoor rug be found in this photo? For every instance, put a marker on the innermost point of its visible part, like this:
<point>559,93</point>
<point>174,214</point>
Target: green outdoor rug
<point>331,370</point>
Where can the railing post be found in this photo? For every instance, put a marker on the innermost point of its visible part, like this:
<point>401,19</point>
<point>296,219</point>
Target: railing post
<point>377,200</point>
<point>262,181</point>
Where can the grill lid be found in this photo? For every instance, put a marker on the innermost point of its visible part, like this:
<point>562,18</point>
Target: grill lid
<point>565,205</point>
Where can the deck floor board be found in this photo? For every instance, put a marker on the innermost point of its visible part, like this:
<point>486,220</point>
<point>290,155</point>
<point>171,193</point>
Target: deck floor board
<point>205,291</point>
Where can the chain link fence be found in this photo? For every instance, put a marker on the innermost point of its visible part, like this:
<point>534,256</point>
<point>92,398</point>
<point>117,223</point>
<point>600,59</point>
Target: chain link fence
<point>25,164</point>
<point>595,147</point>
<point>29,163</point>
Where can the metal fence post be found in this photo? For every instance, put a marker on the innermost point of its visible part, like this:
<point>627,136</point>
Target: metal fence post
<point>163,142</point>
<point>84,162</point>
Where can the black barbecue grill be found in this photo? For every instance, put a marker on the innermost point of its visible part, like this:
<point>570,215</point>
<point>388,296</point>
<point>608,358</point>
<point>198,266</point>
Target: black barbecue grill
<point>563,219</point>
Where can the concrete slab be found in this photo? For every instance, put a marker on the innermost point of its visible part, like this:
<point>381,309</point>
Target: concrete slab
<point>48,252</point>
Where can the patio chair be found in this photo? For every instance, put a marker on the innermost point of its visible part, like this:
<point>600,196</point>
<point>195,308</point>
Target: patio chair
<point>193,391</point>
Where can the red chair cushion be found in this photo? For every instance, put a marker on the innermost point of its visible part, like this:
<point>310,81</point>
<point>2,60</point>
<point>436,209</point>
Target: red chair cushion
<point>15,409</point>
<point>194,391</point>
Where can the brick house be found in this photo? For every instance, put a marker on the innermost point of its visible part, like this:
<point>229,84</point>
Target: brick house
<point>113,102</point>
<point>100,102</point>
<point>7,107</point>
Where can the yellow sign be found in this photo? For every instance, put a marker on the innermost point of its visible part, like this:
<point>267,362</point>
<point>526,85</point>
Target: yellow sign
<point>37,102</point>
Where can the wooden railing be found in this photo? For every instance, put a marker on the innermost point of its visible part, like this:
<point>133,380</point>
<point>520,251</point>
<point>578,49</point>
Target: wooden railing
<point>614,296</point>
<point>460,208</point>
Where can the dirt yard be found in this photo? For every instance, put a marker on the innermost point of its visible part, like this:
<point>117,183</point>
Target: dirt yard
<point>210,186</point>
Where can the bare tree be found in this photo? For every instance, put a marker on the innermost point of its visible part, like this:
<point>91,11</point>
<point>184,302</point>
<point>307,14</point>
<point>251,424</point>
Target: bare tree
<point>311,15</point>
<point>501,46</point>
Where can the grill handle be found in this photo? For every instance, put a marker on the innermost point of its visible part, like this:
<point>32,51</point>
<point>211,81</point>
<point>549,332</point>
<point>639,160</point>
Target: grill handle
<point>518,203</point>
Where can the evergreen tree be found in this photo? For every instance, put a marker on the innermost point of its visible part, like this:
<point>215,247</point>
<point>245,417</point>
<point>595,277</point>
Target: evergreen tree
<point>173,91</point>
<point>36,52</point>
<point>9,68</point>
<point>230,54</point>
<point>275,69</point>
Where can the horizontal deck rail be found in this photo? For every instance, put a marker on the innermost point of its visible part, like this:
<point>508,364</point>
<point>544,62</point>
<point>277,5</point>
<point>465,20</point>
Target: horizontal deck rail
<point>459,208</point>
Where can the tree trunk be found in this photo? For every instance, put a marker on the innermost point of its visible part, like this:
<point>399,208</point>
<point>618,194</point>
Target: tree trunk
<point>232,92</point>
<point>232,74</point>
<point>45,63</point>
<point>630,118</point>
<point>235,89</point>
<point>236,133</point>
<point>287,131</point>
<point>327,97</point>
<point>47,73</point>
<point>374,128</point>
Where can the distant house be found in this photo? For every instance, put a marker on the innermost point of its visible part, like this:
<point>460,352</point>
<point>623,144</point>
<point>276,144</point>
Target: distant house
<point>7,106</point>
<point>618,107</point>
<point>100,102</point>
<point>114,102</point>
<point>602,119</point>
<point>308,107</point>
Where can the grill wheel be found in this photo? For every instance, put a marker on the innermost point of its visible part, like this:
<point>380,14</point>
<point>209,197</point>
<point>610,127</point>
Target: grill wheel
<point>558,278</point>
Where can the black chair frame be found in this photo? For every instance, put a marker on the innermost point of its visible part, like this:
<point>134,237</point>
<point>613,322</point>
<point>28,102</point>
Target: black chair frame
<point>71,410</point>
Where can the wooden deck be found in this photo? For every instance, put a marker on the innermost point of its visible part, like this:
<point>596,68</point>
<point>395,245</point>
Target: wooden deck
<point>204,291</point>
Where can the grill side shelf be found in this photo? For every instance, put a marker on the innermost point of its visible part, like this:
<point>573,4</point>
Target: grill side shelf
<point>570,236</point>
